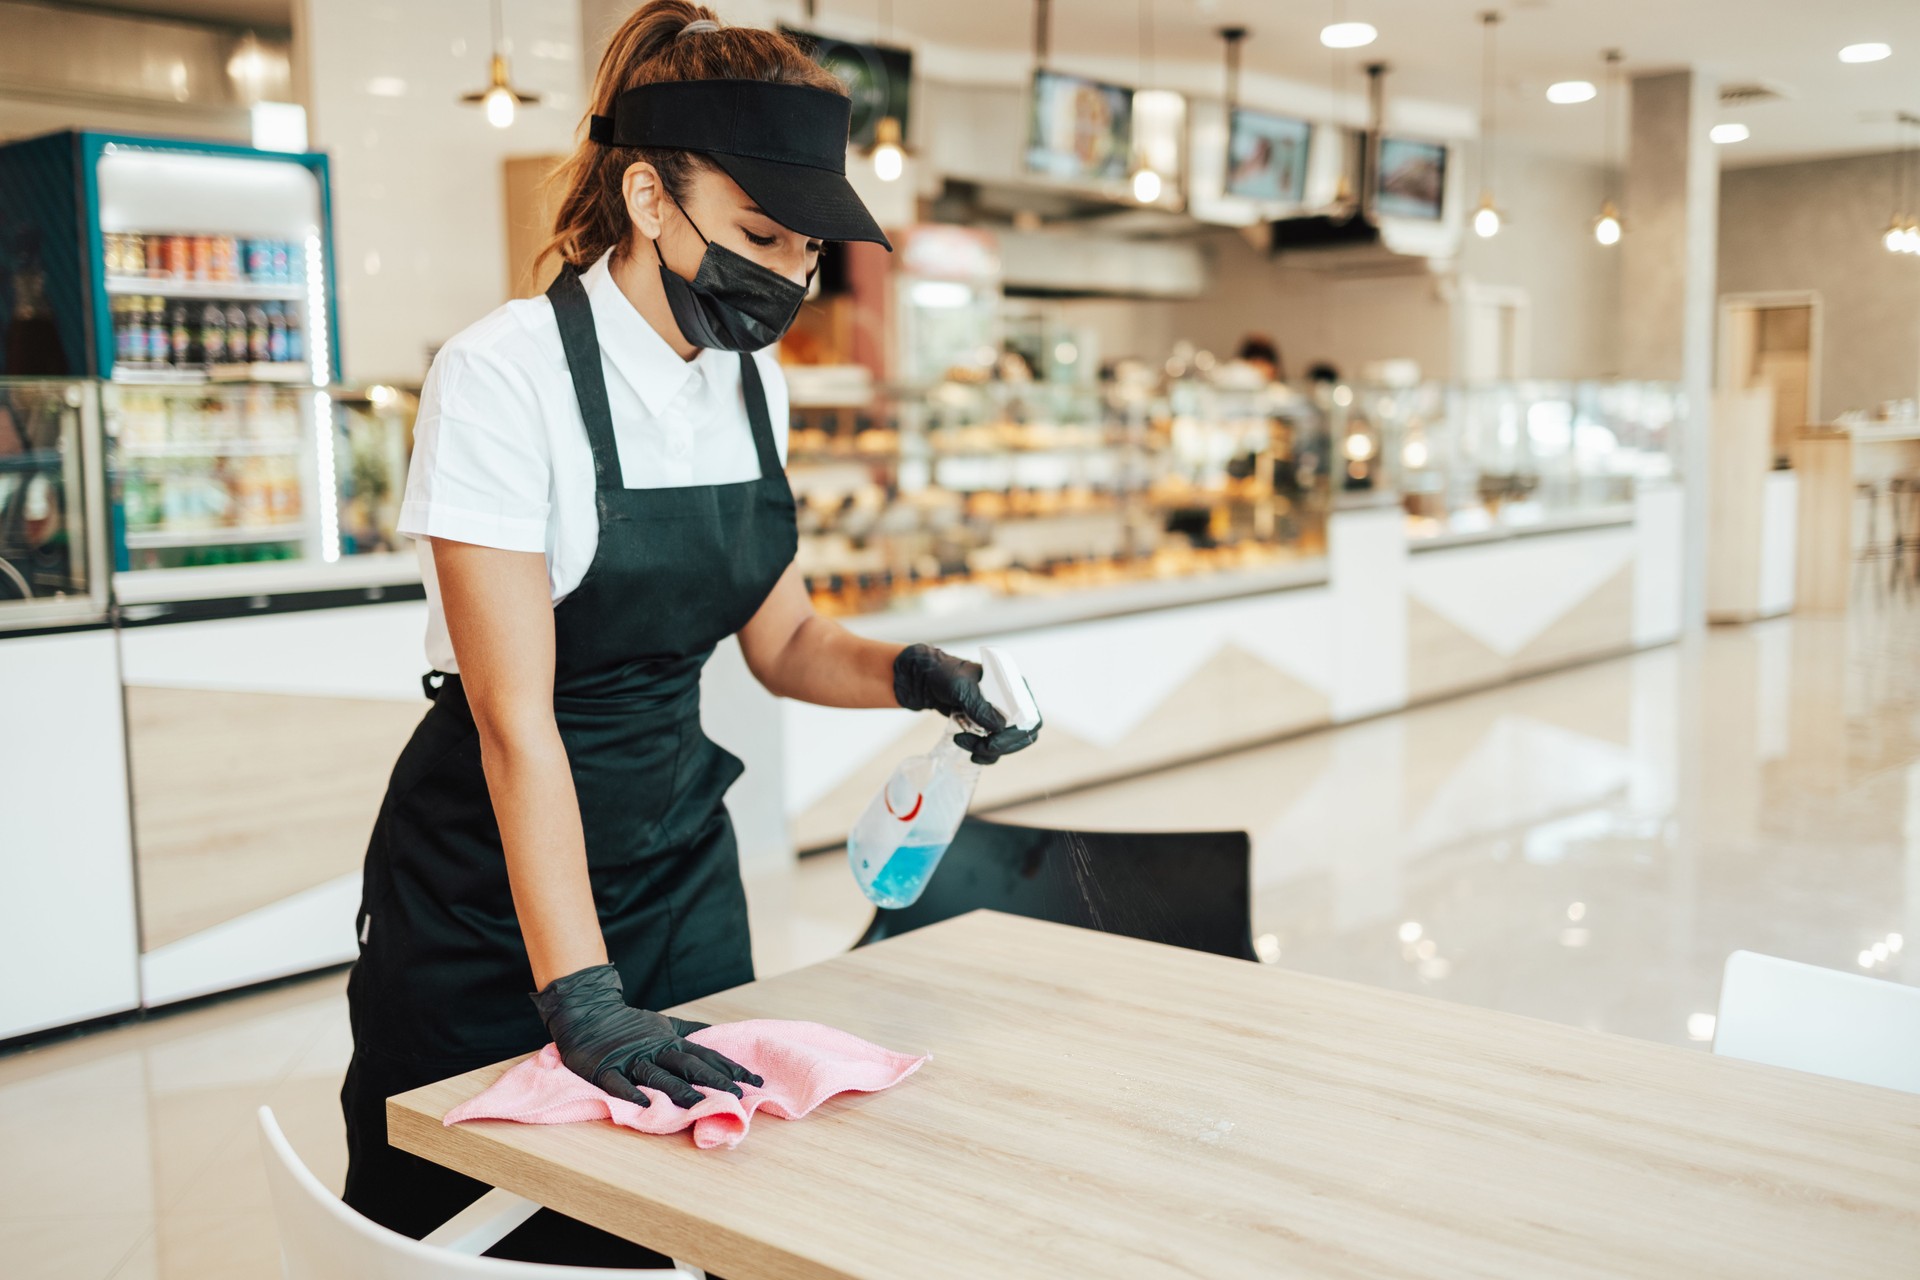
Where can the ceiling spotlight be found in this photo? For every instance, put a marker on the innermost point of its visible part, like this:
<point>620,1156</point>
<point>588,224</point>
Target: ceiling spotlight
<point>1146,185</point>
<point>1730,132</point>
<point>1871,52</point>
<point>1568,92</point>
<point>1348,35</point>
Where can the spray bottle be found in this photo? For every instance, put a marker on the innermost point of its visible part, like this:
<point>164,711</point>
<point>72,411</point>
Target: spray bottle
<point>895,846</point>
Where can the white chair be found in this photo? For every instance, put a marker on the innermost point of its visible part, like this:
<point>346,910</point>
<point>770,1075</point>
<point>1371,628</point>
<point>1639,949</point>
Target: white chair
<point>1844,1025</point>
<point>322,1239</point>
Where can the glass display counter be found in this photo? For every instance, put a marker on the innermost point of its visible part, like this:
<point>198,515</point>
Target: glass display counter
<point>52,553</point>
<point>1471,461</point>
<point>974,491</point>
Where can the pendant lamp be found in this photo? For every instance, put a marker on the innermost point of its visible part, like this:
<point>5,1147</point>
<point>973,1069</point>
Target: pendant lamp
<point>1606,227</point>
<point>500,99</point>
<point>1486,216</point>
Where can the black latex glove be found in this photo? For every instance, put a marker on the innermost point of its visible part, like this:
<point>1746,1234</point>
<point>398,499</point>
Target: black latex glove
<point>925,679</point>
<point>606,1042</point>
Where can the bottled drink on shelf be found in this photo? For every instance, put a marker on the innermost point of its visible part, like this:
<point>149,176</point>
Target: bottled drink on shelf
<point>259,339</point>
<point>238,348</point>
<point>159,335</point>
<point>283,261</point>
<point>276,333</point>
<point>259,258</point>
<point>124,349</point>
<point>213,334</point>
<point>185,350</point>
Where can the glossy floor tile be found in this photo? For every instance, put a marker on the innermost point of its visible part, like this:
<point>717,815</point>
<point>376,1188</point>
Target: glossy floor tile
<point>1585,847</point>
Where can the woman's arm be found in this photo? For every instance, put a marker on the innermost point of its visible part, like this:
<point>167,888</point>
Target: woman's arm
<point>796,653</point>
<point>499,613</point>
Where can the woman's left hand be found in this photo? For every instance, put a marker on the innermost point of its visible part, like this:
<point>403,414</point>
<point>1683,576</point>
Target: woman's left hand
<point>927,679</point>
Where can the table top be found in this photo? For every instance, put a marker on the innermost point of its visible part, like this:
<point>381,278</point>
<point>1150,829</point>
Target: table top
<point>1102,1106</point>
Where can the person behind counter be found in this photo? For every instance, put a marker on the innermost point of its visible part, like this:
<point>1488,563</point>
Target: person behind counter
<point>598,499</point>
<point>1259,351</point>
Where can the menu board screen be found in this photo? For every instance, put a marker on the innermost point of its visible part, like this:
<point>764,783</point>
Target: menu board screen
<point>1413,179</point>
<point>1079,129</point>
<point>1267,157</point>
<point>877,77</point>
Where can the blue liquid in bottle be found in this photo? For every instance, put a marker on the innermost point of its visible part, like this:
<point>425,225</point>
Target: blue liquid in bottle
<point>901,882</point>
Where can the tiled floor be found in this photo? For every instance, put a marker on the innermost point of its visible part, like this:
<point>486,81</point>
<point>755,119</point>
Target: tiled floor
<point>1585,847</point>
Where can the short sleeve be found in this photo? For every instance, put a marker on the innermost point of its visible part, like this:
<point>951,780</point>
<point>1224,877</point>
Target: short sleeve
<point>482,469</point>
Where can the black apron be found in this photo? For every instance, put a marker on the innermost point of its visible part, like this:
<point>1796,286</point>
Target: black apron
<point>442,980</point>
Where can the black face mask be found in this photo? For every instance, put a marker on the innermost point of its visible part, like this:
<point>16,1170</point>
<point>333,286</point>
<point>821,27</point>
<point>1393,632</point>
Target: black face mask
<point>732,303</point>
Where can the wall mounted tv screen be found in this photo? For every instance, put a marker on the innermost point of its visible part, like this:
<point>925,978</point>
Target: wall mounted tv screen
<point>1413,179</point>
<point>1267,157</point>
<point>1079,129</point>
<point>877,77</point>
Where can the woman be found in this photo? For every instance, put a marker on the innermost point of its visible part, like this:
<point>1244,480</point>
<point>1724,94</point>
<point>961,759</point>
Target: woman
<point>598,497</point>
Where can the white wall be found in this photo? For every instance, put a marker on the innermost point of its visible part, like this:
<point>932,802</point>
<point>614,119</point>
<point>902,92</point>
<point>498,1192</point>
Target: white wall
<point>1547,248</point>
<point>418,204</point>
<point>1817,226</point>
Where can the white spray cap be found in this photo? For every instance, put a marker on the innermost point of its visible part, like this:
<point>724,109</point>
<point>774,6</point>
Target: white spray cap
<point>1006,690</point>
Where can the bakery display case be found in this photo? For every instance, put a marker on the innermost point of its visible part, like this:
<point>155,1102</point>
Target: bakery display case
<point>1479,460</point>
<point>971,491</point>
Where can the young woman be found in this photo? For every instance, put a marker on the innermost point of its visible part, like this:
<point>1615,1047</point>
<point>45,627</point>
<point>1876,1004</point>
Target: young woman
<point>598,495</point>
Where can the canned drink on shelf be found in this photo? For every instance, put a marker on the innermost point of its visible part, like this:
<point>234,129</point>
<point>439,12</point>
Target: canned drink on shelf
<point>178,257</point>
<point>282,269</point>
<point>202,257</point>
<point>259,259</point>
<point>154,254</point>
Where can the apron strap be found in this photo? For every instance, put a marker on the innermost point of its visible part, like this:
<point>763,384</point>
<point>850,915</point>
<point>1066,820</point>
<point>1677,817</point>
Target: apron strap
<point>581,342</point>
<point>759,418</point>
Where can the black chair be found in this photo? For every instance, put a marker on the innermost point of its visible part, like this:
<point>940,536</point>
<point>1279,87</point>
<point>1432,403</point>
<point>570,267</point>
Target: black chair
<point>1186,888</point>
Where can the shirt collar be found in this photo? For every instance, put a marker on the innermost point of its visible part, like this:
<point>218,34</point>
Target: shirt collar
<point>636,350</point>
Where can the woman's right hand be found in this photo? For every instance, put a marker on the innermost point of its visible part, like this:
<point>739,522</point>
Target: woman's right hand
<point>608,1043</point>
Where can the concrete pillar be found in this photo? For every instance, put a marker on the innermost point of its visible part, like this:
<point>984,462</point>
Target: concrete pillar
<point>1669,259</point>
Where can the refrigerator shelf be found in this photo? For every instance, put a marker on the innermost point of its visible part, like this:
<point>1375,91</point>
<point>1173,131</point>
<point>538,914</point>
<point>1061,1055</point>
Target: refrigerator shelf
<point>214,449</point>
<point>224,290</point>
<point>290,532</point>
<point>290,371</point>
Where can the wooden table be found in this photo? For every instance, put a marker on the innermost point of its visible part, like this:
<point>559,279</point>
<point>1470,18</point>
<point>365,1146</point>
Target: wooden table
<point>1101,1107</point>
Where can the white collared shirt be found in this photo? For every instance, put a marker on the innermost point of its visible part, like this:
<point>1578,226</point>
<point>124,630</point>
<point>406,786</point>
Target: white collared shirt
<point>500,455</point>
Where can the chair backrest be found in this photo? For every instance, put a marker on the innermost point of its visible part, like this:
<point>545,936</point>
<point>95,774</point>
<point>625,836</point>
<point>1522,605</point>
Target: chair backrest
<point>1844,1025</point>
<point>322,1239</point>
<point>1186,888</point>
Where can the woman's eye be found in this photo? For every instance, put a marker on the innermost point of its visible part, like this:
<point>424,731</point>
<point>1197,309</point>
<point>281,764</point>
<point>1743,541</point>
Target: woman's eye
<point>761,242</point>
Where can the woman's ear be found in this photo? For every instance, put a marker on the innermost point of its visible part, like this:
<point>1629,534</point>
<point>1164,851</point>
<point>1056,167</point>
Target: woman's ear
<point>641,188</point>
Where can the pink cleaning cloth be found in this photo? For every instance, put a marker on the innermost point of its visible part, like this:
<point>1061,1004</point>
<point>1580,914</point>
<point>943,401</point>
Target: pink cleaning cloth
<point>803,1064</point>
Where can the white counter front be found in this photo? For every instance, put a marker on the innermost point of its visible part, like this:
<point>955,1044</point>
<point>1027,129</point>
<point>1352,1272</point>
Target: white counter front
<point>1383,624</point>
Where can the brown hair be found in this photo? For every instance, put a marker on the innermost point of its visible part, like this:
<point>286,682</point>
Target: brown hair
<point>646,49</point>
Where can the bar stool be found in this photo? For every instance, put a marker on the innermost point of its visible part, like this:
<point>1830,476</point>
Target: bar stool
<point>1903,496</point>
<point>1869,550</point>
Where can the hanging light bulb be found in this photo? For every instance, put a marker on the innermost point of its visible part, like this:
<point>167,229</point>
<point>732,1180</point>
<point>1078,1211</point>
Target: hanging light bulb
<point>1146,184</point>
<point>889,161</point>
<point>1896,237</point>
<point>1486,218</point>
<point>1606,227</point>
<point>500,100</point>
<point>499,105</point>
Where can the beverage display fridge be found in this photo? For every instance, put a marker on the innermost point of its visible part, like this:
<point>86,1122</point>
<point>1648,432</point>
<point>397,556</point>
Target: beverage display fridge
<point>193,281</point>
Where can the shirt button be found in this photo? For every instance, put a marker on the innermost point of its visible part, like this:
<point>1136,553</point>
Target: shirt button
<point>678,446</point>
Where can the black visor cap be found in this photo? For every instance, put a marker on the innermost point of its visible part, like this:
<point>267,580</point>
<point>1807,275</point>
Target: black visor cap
<point>784,144</point>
